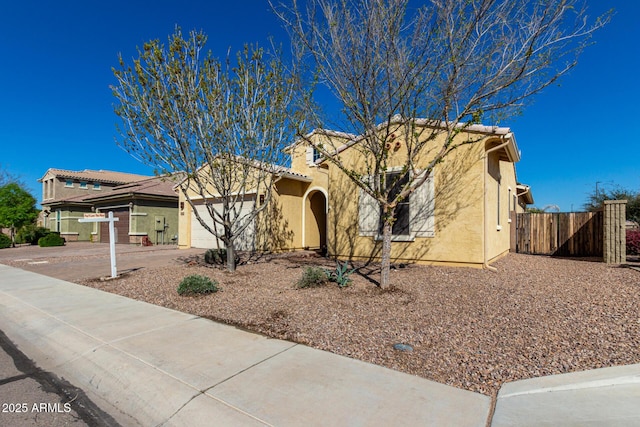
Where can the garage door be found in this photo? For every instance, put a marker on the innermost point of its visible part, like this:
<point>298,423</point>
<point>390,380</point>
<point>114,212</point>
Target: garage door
<point>121,226</point>
<point>201,238</point>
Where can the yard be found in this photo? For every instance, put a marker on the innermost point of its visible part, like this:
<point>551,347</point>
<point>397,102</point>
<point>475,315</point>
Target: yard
<point>469,328</point>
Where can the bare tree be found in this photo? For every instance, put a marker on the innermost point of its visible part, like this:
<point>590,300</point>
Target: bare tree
<point>450,63</point>
<point>224,125</point>
<point>7,177</point>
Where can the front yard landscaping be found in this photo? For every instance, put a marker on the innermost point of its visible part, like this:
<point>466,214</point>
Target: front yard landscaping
<point>468,328</point>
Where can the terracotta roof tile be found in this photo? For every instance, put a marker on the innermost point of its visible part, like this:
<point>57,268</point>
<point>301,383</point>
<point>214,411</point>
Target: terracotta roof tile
<point>103,176</point>
<point>156,186</point>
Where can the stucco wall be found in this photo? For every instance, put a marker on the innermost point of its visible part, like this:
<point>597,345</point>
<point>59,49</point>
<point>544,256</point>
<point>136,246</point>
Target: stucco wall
<point>142,221</point>
<point>59,189</point>
<point>70,228</point>
<point>458,236</point>
<point>460,189</point>
<point>499,204</point>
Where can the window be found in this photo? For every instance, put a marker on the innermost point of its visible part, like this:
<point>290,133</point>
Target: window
<point>498,208</point>
<point>96,185</point>
<point>316,155</point>
<point>69,183</point>
<point>414,217</point>
<point>313,155</point>
<point>509,206</point>
<point>401,224</point>
<point>83,184</point>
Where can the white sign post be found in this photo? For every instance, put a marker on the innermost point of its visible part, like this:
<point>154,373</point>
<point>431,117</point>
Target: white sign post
<point>112,234</point>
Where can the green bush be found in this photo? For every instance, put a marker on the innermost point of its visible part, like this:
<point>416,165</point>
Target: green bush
<point>340,275</point>
<point>312,277</point>
<point>31,234</point>
<point>51,239</point>
<point>5,241</point>
<point>217,256</point>
<point>196,284</point>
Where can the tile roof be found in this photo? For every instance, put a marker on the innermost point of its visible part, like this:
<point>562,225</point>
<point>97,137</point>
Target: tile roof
<point>155,186</point>
<point>102,176</point>
<point>291,174</point>
<point>352,139</point>
<point>162,186</point>
<point>277,170</point>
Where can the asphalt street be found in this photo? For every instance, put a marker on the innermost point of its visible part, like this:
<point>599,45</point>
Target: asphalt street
<point>30,396</point>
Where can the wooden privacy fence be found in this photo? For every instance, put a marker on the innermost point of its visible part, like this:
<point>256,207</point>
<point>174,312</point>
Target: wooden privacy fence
<point>580,234</point>
<point>560,234</point>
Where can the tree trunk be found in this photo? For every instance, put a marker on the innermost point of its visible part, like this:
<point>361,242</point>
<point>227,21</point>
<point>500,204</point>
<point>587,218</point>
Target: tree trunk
<point>385,265</point>
<point>231,256</point>
<point>13,236</point>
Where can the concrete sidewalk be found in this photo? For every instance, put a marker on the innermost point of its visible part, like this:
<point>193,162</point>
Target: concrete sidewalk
<point>148,365</point>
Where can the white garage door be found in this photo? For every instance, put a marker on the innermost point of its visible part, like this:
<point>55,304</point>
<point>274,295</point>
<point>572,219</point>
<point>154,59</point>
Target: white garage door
<point>201,238</point>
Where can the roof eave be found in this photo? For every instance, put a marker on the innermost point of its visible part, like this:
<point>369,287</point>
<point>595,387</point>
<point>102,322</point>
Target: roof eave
<point>524,192</point>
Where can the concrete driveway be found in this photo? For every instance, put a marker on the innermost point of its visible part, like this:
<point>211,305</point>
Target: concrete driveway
<point>80,260</point>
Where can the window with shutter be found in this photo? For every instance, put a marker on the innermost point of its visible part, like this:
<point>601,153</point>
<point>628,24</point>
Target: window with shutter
<point>312,156</point>
<point>422,209</point>
<point>414,216</point>
<point>309,155</point>
<point>368,213</point>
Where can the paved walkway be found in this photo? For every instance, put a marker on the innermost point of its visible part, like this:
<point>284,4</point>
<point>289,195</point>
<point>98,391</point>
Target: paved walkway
<point>148,365</point>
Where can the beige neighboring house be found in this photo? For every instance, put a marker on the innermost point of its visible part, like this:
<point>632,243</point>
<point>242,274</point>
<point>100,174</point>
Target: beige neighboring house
<point>146,207</point>
<point>464,214</point>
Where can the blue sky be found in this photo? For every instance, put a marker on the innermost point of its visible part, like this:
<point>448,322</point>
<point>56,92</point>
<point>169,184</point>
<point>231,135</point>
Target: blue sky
<point>56,105</point>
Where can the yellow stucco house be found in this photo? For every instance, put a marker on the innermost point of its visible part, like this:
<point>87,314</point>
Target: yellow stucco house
<point>462,215</point>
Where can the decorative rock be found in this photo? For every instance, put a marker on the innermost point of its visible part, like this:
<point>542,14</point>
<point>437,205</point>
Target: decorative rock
<point>402,347</point>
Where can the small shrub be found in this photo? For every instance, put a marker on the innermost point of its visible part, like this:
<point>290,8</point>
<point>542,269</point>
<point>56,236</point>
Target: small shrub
<point>217,256</point>
<point>633,242</point>
<point>51,239</point>
<point>312,277</point>
<point>196,284</point>
<point>341,275</point>
<point>5,241</point>
<point>31,234</point>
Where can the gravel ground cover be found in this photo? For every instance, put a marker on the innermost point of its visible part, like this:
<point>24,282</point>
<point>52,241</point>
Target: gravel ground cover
<point>469,328</point>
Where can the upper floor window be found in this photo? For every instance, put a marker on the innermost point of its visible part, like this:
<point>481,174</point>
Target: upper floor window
<point>68,183</point>
<point>313,155</point>
<point>317,155</point>
<point>83,184</point>
<point>96,185</point>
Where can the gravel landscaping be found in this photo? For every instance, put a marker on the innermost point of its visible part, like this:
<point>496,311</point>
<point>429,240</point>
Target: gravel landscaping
<point>469,328</point>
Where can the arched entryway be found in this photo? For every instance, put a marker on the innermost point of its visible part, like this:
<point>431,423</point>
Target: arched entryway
<point>315,220</point>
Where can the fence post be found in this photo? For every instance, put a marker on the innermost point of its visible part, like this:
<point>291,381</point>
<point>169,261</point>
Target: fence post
<point>615,238</point>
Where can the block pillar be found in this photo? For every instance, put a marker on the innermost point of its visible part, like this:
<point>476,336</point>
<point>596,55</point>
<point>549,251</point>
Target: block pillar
<point>615,237</point>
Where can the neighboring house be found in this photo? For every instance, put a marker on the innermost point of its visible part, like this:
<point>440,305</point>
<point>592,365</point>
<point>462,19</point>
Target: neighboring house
<point>462,215</point>
<point>146,207</point>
